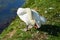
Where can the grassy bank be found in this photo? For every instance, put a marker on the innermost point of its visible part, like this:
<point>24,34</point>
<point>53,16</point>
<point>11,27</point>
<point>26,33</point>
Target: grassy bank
<point>51,31</point>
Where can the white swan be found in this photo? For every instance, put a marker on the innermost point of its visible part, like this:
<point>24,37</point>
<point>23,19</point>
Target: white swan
<point>30,17</point>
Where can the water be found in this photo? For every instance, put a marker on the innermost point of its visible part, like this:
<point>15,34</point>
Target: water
<point>7,10</point>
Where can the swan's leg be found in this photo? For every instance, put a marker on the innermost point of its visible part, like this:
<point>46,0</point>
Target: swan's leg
<point>28,27</point>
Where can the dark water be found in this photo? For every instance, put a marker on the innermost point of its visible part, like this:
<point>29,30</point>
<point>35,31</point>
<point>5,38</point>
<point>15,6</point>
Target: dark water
<point>8,11</point>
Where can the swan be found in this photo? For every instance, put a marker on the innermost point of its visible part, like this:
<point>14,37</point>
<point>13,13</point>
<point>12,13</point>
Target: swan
<point>31,18</point>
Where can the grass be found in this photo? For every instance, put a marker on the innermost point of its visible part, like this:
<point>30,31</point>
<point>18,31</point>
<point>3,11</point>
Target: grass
<point>50,31</point>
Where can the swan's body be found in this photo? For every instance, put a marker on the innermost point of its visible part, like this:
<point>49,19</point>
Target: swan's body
<point>30,17</point>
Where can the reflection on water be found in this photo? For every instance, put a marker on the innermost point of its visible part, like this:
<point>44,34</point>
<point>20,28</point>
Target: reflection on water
<point>7,12</point>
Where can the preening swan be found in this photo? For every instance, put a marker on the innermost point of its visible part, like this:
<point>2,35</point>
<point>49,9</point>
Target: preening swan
<point>30,17</point>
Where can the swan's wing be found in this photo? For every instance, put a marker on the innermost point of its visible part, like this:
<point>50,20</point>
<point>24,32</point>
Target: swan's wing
<point>24,18</point>
<point>28,11</point>
<point>43,20</point>
<point>21,12</point>
<point>36,16</point>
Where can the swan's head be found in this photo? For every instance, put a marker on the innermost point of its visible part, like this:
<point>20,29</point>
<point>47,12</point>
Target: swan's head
<point>43,20</point>
<point>21,11</point>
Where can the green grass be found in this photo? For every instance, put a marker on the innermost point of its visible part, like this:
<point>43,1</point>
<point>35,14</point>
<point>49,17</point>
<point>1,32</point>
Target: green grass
<point>40,6</point>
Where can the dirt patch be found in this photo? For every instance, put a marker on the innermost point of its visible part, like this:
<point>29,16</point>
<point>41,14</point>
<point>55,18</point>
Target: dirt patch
<point>9,35</point>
